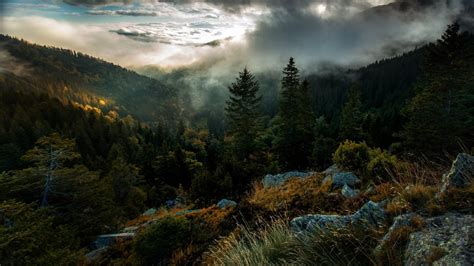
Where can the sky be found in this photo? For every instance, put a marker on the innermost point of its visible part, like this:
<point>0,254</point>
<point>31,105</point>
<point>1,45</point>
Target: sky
<point>227,34</point>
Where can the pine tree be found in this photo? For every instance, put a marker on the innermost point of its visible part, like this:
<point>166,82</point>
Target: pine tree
<point>244,116</point>
<point>295,120</point>
<point>440,118</point>
<point>352,117</point>
<point>57,180</point>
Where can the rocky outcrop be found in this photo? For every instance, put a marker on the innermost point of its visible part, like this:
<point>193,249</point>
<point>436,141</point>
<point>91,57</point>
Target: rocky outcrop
<point>339,180</point>
<point>349,192</point>
<point>225,203</point>
<point>370,215</point>
<point>461,173</point>
<point>445,240</point>
<point>279,179</point>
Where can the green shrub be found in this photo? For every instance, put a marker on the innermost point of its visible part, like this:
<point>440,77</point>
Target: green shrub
<point>352,156</point>
<point>381,164</point>
<point>157,243</point>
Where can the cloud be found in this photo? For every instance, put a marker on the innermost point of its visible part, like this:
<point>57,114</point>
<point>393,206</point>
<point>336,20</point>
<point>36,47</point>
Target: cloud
<point>134,13</point>
<point>9,64</point>
<point>94,40</point>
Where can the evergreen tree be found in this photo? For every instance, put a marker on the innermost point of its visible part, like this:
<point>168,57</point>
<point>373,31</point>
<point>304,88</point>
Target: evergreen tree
<point>294,124</point>
<point>440,117</point>
<point>57,180</point>
<point>352,117</point>
<point>244,117</point>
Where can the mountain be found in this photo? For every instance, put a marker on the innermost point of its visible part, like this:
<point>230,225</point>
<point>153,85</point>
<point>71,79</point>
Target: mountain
<point>86,80</point>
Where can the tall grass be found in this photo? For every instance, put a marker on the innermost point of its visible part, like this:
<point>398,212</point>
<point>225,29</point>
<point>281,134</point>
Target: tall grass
<point>277,244</point>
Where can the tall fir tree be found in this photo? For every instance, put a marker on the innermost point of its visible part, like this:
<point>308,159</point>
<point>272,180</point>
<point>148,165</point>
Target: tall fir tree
<point>440,117</point>
<point>245,123</point>
<point>294,138</point>
<point>352,117</point>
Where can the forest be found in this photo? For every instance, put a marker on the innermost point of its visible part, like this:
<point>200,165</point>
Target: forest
<point>88,148</point>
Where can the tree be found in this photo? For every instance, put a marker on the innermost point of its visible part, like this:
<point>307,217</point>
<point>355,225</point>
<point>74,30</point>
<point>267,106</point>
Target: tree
<point>294,123</point>
<point>29,236</point>
<point>124,179</point>
<point>440,117</point>
<point>352,117</point>
<point>244,117</point>
<point>243,139</point>
<point>57,180</point>
<point>324,146</point>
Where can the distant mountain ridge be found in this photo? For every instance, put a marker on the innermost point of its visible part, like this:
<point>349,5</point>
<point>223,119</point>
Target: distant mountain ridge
<point>74,76</point>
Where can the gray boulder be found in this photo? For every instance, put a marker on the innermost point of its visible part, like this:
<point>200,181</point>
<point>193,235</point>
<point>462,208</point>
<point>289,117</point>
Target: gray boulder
<point>318,221</point>
<point>108,240</point>
<point>332,170</point>
<point>339,180</point>
<point>404,220</point>
<point>225,203</point>
<point>446,240</point>
<point>370,215</point>
<point>349,192</point>
<point>149,212</point>
<point>279,179</point>
<point>461,173</point>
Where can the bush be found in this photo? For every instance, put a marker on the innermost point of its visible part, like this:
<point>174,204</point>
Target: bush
<point>381,165</point>
<point>352,156</point>
<point>158,243</point>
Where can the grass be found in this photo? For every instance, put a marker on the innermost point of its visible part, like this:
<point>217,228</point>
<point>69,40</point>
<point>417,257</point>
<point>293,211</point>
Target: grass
<point>277,244</point>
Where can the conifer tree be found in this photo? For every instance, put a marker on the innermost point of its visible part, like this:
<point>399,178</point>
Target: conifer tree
<point>352,117</point>
<point>440,118</point>
<point>244,116</point>
<point>294,125</point>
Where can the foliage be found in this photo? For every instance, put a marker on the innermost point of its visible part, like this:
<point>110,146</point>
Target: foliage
<point>31,236</point>
<point>440,114</point>
<point>77,195</point>
<point>159,241</point>
<point>277,244</point>
<point>294,123</point>
<point>382,165</point>
<point>352,117</point>
<point>352,156</point>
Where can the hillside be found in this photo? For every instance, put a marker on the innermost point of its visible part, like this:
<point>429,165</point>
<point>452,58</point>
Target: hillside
<point>87,80</point>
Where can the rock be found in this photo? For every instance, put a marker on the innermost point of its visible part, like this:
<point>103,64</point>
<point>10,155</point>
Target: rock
<point>349,192</point>
<point>318,221</point>
<point>332,170</point>
<point>370,215</point>
<point>280,179</point>
<point>130,229</point>
<point>149,212</point>
<point>445,240</point>
<point>107,240</point>
<point>461,173</point>
<point>339,180</point>
<point>404,220</point>
<point>225,203</point>
<point>95,254</point>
